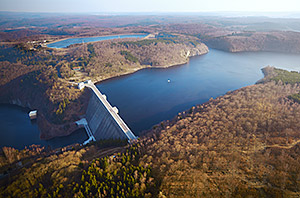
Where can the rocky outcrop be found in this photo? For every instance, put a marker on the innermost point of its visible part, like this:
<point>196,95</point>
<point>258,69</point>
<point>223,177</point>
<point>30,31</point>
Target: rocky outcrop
<point>199,50</point>
<point>182,56</point>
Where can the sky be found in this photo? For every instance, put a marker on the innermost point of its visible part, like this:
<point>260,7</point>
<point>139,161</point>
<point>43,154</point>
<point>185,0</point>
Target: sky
<point>108,6</point>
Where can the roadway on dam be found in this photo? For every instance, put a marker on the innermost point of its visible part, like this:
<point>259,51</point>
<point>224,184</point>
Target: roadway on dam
<point>112,111</point>
<point>145,98</point>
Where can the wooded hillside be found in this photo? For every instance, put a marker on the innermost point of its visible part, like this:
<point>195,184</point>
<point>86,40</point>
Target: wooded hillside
<point>243,144</point>
<point>42,78</point>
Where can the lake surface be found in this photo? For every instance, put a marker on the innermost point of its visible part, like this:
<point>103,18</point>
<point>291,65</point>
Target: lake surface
<point>71,41</point>
<point>145,98</point>
<point>18,130</point>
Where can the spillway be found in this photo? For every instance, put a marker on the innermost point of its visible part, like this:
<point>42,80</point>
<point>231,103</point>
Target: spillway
<point>103,120</point>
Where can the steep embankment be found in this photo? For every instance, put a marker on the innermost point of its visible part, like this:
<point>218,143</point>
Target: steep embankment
<point>244,143</point>
<point>287,42</point>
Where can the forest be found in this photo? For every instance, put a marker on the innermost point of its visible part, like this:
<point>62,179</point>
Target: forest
<point>78,172</point>
<point>242,144</point>
<point>273,41</point>
<point>24,54</point>
<point>44,78</point>
<point>245,143</point>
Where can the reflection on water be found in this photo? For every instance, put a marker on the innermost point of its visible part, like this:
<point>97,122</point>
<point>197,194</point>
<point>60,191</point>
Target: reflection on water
<point>145,98</point>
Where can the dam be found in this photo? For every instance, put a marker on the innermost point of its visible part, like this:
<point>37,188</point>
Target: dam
<point>102,120</point>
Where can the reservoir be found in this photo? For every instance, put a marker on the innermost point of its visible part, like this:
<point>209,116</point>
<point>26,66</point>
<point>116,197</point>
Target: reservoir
<point>18,131</point>
<point>71,41</point>
<point>146,98</point>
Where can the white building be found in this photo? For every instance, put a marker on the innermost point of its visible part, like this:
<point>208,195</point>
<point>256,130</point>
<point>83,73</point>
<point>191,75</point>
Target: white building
<point>80,85</point>
<point>33,114</point>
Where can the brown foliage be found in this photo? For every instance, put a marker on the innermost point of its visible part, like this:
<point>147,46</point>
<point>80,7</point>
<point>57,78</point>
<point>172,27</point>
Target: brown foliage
<point>241,144</point>
<point>108,59</point>
<point>287,42</point>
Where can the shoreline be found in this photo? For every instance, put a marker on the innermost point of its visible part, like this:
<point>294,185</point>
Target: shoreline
<point>144,68</point>
<point>158,67</point>
<point>249,51</point>
<point>98,81</point>
<point>62,39</point>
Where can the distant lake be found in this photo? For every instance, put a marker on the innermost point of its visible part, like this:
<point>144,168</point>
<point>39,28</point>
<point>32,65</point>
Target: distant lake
<point>71,41</point>
<point>145,98</point>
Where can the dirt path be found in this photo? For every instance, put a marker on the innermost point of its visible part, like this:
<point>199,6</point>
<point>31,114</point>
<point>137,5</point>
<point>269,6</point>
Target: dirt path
<point>262,147</point>
<point>283,147</point>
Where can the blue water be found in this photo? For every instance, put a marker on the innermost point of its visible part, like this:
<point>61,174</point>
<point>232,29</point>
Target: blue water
<point>18,130</point>
<point>145,98</point>
<point>16,127</point>
<point>71,41</point>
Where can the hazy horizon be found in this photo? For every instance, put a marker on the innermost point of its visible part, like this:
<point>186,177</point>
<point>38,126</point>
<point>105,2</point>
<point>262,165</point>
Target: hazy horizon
<point>257,7</point>
<point>204,14</point>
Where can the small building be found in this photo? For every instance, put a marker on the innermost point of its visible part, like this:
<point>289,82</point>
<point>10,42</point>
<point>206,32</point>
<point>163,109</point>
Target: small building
<point>33,114</point>
<point>80,85</point>
<point>88,81</point>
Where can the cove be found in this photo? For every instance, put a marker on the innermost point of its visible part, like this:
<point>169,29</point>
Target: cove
<point>145,98</point>
<point>71,41</point>
<point>18,131</point>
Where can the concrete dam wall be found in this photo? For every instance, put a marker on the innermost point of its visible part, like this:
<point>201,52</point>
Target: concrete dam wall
<point>103,120</point>
<point>101,123</point>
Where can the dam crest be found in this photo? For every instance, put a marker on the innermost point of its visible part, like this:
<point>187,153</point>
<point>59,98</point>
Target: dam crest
<point>102,120</point>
